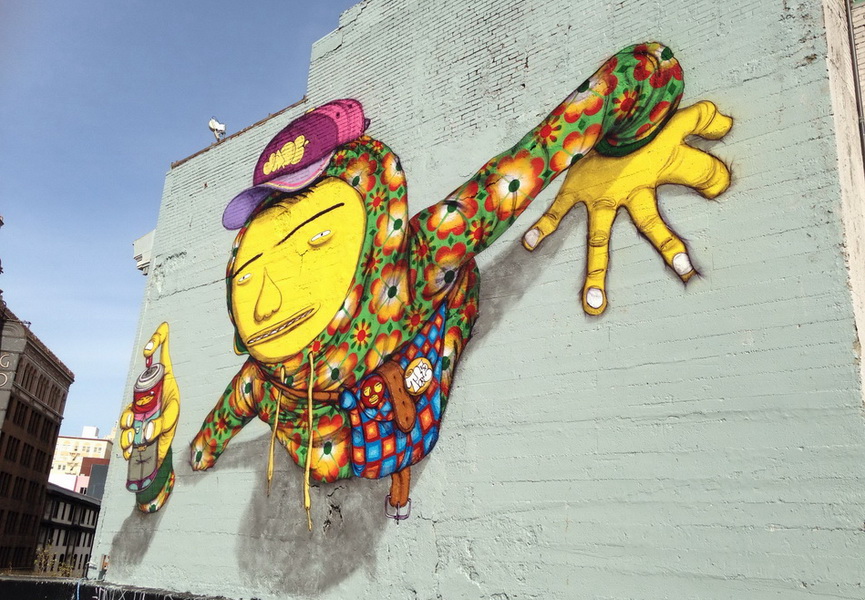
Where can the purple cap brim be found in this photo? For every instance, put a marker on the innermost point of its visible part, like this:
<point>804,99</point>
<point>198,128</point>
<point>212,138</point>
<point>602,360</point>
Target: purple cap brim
<point>243,205</point>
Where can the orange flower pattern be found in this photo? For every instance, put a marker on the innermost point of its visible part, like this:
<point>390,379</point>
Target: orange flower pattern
<point>389,293</point>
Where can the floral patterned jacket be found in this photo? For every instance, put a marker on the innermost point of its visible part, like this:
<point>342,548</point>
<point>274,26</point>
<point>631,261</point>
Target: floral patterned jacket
<point>408,268</point>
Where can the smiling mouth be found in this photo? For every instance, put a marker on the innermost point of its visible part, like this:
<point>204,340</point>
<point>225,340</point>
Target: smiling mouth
<point>282,328</point>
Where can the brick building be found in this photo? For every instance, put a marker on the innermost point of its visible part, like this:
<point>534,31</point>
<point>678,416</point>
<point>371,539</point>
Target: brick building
<point>33,388</point>
<point>702,441</point>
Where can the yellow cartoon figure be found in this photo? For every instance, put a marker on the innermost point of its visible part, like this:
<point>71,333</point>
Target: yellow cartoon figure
<point>354,314</point>
<point>148,425</point>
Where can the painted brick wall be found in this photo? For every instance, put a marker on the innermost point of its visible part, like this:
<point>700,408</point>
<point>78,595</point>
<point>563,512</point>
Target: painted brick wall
<point>699,442</point>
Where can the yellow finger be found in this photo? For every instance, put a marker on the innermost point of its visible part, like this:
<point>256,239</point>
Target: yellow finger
<point>712,124</point>
<point>643,208</point>
<point>127,436</point>
<point>703,119</point>
<point>699,170</point>
<point>601,214</point>
<point>156,340</point>
<point>127,418</point>
<point>152,430</point>
<point>551,219</point>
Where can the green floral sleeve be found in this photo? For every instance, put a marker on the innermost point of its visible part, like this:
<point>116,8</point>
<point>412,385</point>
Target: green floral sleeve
<point>237,407</point>
<point>616,111</point>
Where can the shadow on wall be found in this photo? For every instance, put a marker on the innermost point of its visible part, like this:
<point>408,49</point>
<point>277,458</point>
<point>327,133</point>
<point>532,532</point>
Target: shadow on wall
<point>276,554</point>
<point>132,541</point>
<point>506,278</point>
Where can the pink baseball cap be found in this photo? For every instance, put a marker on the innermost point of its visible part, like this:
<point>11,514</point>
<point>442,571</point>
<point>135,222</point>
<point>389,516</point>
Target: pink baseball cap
<point>298,155</point>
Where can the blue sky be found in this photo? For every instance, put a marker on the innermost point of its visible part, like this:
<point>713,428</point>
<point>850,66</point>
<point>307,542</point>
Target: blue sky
<point>97,99</point>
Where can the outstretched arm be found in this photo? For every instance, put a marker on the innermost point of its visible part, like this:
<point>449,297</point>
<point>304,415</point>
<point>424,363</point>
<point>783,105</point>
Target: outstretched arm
<point>619,109</point>
<point>237,407</point>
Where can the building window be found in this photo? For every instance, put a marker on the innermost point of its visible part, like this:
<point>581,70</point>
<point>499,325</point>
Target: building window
<point>4,485</point>
<point>26,455</point>
<point>18,488</point>
<point>11,453</point>
<point>11,523</point>
<point>33,424</point>
<point>24,524</point>
<point>39,461</point>
<point>20,414</point>
<point>49,432</point>
<point>32,491</point>
<point>27,380</point>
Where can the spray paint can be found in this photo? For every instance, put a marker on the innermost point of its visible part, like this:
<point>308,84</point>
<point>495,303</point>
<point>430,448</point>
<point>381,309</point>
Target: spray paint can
<point>146,408</point>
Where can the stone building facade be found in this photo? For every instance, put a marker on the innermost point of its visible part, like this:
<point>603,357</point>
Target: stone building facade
<point>33,388</point>
<point>702,441</point>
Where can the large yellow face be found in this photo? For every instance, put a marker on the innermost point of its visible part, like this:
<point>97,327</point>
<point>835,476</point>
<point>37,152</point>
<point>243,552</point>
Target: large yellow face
<point>294,267</point>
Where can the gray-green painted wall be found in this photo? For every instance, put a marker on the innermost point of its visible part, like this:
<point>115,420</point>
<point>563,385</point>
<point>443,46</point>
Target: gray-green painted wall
<point>699,442</point>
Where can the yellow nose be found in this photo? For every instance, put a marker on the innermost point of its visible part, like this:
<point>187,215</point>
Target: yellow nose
<point>269,298</point>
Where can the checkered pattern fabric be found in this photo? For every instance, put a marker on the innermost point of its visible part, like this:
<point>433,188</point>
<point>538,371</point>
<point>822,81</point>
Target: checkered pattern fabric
<point>379,448</point>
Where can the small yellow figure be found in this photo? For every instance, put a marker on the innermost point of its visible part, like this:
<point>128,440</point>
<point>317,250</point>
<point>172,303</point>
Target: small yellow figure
<point>148,425</point>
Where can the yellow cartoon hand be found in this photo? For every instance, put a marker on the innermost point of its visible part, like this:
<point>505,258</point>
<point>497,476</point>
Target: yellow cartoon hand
<point>604,184</point>
<point>161,428</point>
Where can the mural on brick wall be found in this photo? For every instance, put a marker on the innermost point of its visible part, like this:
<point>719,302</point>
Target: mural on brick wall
<point>148,426</point>
<point>354,316</point>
